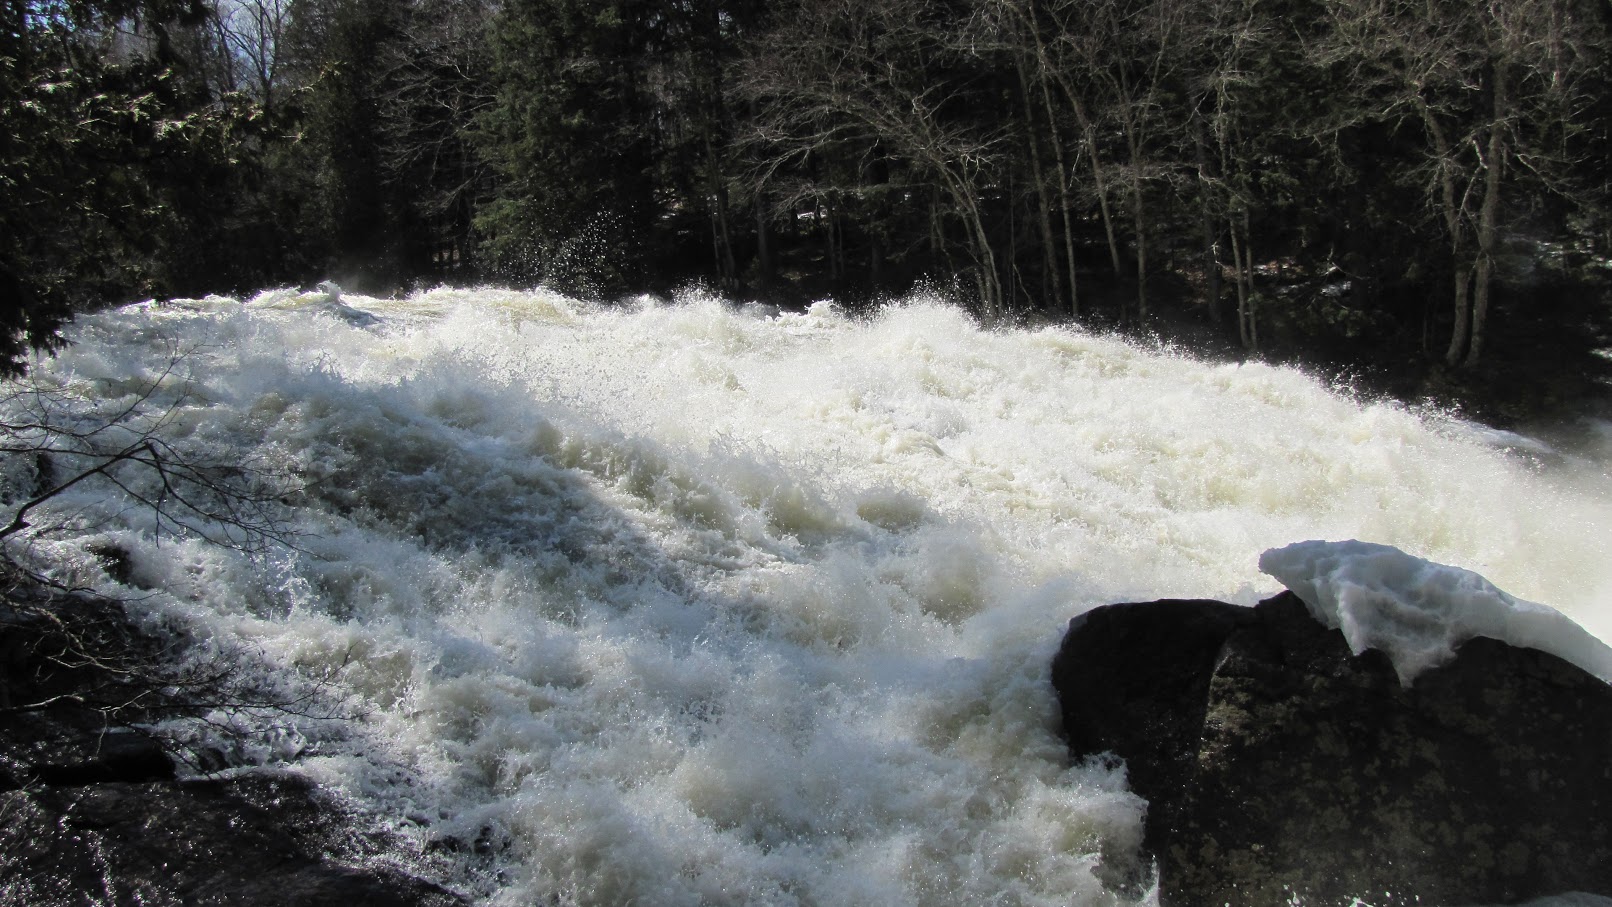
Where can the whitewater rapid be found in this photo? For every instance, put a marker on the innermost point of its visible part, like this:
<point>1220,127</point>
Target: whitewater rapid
<point>697,603</point>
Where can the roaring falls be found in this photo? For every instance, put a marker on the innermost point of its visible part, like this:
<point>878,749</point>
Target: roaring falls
<point>699,603</point>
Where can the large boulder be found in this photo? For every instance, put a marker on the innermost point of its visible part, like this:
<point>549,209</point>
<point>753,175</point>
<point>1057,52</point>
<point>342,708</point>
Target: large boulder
<point>1280,767</point>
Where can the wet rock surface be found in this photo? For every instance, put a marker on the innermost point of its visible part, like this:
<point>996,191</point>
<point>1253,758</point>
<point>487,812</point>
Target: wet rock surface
<point>91,811</point>
<point>1277,765</point>
<point>244,841</point>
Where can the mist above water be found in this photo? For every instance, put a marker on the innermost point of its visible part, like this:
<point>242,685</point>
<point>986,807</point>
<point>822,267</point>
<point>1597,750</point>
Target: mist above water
<point>695,603</point>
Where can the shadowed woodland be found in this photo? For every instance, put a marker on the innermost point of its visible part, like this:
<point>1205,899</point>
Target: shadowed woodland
<point>1415,194</point>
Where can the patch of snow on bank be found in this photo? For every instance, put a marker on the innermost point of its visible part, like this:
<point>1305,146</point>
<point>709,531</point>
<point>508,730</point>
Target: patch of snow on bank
<point>1419,612</point>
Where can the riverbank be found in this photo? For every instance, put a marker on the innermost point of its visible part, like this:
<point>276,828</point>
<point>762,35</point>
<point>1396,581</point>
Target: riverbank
<point>99,805</point>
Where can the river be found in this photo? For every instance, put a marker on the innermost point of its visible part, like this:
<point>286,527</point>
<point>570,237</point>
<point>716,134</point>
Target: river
<point>693,602</point>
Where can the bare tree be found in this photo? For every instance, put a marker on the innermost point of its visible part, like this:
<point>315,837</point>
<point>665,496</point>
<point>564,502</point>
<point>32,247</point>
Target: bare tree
<point>1120,61</point>
<point>1224,89</point>
<point>251,34</point>
<point>66,650</point>
<point>1017,25</point>
<point>1064,52</point>
<point>56,437</point>
<point>435,84</point>
<point>1479,80</point>
<point>862,77</point>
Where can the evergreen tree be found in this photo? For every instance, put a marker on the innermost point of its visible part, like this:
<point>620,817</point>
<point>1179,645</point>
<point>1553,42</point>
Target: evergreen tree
<point>434,79</point>
<point>571,138</point>
<point>358,215</point>
<point>99,115</point>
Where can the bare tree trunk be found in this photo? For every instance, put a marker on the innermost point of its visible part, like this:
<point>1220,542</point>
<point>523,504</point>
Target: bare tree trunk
<point>720,236</point>
<point>1063,207</point>
<point>1044,202</point>
<point>1242,290</point>
<point>1063,167</point>
<point>1454,223</point>
<point>1248,270</point>
<point>836,261</point>
<point>1211,234</point>
<point>1243,271</point>
<point>966,200</point>
<point>763,242</point>
<point>1068,228</point>
<point>1488,218</point>
<point>1463,311</point>
<point>1099,183</point>
<point>1211,264</point>
<point>1138,213</point>
<point>990,282</point>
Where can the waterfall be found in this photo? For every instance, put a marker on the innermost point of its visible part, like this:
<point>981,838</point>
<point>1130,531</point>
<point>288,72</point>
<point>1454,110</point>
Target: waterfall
<point>695,602</point>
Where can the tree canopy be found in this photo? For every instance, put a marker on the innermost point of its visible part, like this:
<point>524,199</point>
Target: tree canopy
<point>1357,180</point>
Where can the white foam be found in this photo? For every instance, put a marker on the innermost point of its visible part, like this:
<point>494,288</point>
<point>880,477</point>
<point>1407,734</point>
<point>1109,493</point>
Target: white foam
<point>682,605</point>
<point>1419,612</point>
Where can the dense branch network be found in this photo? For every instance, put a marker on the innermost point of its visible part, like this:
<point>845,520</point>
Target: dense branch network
<point>77,455</point>
<point>56,438</point>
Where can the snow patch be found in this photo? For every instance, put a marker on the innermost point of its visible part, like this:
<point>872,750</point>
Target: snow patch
<point>1419,612</point>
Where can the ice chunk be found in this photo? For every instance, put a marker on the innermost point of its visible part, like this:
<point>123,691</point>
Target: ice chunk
<point>1417,611</point>
<point>358,318</point>
<point>334,305</point>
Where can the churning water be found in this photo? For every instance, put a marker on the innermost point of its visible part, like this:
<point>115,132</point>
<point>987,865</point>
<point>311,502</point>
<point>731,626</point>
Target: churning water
<point>698,604</point>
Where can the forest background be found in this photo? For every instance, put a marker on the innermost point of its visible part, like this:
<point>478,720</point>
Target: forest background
<point>1413,194</point>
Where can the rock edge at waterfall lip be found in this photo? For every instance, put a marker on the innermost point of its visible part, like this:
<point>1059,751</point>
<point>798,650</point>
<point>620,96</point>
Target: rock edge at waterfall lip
<point>1419,612</point>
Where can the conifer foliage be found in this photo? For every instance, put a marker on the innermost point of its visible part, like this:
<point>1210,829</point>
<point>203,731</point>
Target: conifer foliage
<point>97,113</point>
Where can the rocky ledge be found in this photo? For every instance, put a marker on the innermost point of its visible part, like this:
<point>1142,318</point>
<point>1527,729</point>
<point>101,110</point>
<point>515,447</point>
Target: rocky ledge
<point>1281,768</point>
<point>91,811</point>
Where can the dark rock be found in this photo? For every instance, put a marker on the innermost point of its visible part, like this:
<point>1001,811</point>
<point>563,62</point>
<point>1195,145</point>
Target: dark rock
<point>123,755</point>
<point>90,812</point>
<point>250,841</point>
<point>1278,765</point>
<point>118,563</point>
<point>1157,705</point>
